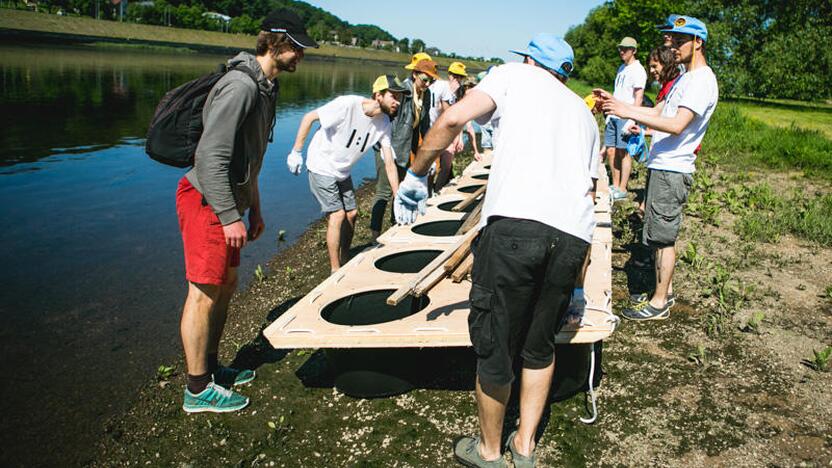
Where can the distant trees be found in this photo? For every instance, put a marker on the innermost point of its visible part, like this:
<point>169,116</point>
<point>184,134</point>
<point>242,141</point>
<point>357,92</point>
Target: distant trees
<point>246,16</point>
<point>757,48</point>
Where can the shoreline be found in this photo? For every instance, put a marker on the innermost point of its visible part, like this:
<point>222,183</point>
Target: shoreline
<point>24,26</point>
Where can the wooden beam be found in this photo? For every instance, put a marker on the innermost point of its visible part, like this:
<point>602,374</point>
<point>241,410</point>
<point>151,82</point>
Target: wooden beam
<point>464,203</point>
<point>408,288</point>
<point>463,269</point>
<point>472,220</point>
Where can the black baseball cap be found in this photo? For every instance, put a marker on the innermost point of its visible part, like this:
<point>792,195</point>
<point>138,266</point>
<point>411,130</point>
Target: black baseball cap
<point>288,22</point>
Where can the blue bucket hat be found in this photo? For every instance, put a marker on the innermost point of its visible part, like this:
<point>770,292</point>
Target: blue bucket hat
<point>550,51</point>
<point>687,25</point>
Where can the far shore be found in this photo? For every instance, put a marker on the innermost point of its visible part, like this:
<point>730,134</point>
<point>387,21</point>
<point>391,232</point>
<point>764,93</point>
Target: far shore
<point>25,26</point>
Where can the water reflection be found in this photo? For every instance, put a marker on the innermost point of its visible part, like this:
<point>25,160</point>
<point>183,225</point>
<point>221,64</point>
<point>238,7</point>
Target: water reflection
<point>92,257</point>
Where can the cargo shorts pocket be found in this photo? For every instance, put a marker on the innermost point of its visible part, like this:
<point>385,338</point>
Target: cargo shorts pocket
<point>480,322</point>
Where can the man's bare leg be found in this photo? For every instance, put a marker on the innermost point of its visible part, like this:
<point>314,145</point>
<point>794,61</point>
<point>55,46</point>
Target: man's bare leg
<point>195,325</point>
<point>626,168</point>
<point>220,311</point>
<point>333,238</point>
<point>347,231</point>
<point>612,160</point>
<point>534,394</point>
<point>446,161</point>
<point>491,406</point>
<point>665,264</point>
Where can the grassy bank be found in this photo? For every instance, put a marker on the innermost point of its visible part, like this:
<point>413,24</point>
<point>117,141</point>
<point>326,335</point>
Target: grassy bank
<point>129,32</point>
<point>731,379</point>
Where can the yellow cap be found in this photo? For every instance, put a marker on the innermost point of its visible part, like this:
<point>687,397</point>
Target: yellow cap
<point>417,57</point>
<point>457,68</point>
<point>590,101</point>
<point>390,82</point>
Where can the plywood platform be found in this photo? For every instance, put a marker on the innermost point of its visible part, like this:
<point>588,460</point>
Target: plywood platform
<point>444,321</point>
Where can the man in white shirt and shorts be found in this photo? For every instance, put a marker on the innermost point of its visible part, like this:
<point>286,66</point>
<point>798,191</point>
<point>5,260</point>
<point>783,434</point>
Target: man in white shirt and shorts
<point>350,126</point>
<point>679,123</point>
<point>629,89</point>
<point>537,223</point>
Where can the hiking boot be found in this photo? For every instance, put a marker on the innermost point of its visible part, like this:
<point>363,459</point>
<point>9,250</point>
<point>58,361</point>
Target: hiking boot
<point>645,311</point>
<point>644,297</point>
<point>214,399</point>
<point>466,452</point>
<point>520,461</point>
<point>229,376</point>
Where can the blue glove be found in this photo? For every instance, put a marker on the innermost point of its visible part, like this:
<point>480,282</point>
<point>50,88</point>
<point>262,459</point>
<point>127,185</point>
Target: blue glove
<point>411,199</point>
<point>295,162</point>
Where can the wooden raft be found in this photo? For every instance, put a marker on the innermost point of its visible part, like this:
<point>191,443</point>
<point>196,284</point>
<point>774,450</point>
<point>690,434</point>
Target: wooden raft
<point>444,322</point>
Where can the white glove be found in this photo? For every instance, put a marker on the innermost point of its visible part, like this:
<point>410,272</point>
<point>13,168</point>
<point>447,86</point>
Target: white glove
<point>295,162</point>
<point>411,199</point>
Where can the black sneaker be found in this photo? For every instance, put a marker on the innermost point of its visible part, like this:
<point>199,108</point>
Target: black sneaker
<point>644,297</point>
<point>645,311</point>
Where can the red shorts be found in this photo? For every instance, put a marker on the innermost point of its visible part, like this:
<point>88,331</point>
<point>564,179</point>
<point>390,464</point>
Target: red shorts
<point>207,257</point>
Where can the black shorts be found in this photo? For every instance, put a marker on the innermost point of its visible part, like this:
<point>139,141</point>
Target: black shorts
<point>523,276</point>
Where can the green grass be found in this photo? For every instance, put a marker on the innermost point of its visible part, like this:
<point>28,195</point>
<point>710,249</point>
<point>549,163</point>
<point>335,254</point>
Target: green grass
<point>809,117</point>
<point>736,139</point>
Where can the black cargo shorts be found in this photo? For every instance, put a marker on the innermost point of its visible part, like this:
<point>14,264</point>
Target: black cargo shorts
<point>523,276</point>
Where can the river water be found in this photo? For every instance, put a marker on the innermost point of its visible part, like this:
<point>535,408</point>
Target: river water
<point>92,273</point>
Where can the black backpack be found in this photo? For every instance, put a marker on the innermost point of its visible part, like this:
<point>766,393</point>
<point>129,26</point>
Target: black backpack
<point>177,123</point>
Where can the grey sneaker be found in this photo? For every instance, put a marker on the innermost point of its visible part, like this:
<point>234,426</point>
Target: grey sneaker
<point>644,297</point>
<point>644,311</point>
<point>520,461</point>
<point>466,453</point>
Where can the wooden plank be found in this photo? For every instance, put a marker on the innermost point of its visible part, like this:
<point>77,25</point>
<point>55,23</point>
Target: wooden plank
<point>464,203</point>
<point>406,289</point>
<point>459,255</point>
<point>430,281</point>
<point>463,269</point>
<point>472,220</point>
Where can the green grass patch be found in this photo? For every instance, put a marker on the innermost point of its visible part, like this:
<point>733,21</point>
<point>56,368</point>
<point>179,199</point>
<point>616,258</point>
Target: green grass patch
<point>768,216</point>
<point>733,138</point>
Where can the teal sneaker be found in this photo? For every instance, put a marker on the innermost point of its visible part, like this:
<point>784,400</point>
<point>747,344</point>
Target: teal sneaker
<point>229,376</point>
<point>214,399</point>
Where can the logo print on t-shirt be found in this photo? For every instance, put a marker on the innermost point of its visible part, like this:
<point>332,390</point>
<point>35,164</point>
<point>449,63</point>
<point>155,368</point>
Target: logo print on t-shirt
<point>358,142</point>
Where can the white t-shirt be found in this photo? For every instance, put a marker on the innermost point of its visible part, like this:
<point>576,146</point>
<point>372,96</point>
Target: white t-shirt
<point>440,91</point>
<point>548,138</point>
<point>698,91</point>
<point>628,79</point>
<point>346,133</point>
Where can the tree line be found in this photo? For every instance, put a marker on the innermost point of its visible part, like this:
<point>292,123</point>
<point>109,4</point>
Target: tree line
<point>246,16</point>
<point>757,48</point>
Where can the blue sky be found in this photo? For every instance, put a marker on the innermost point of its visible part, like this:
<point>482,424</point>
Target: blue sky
<point>473,28</point>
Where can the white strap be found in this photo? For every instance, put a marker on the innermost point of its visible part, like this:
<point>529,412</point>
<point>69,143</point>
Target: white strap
<point>591,392</point>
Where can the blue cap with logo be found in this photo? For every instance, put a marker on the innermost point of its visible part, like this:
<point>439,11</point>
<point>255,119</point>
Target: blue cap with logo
<point>668,23</point>
<point>687,25</point>
<point>550,51</point>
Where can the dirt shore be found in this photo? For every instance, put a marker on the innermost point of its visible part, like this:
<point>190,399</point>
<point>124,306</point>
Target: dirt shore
<point>703,388</point>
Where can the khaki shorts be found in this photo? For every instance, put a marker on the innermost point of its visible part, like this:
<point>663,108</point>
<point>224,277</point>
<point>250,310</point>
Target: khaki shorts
<point>667,194</point>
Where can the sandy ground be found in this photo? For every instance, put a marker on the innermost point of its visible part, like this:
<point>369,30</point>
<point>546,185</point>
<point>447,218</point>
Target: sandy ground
<point>672,394</point>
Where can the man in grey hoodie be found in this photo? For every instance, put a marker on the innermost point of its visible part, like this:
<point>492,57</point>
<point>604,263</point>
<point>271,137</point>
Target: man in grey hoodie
<point>213,197</point>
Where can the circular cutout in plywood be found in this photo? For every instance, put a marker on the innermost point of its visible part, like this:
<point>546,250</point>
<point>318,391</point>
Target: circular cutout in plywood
<point>407,262</point>
<point>370,308</point>
<point>449,206</point>
<point>438,228</point>
<point>469,188</point>
<point>481,176</point>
